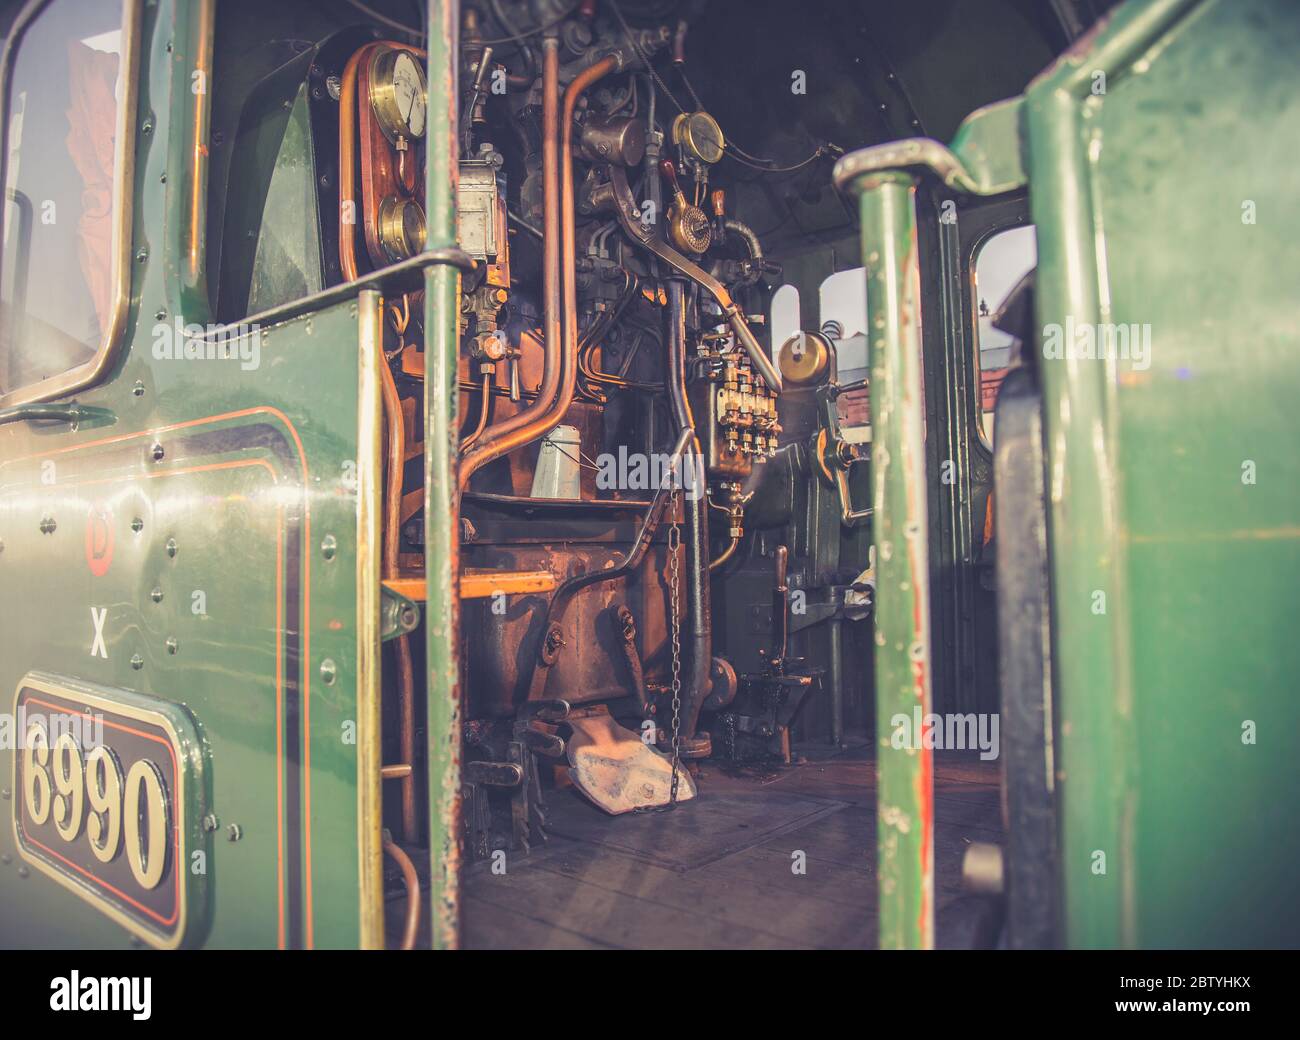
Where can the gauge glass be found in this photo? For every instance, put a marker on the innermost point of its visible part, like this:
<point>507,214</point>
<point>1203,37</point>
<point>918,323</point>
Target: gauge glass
<point>409,92</point>
<point>700,135</point>
<point>706,136</point>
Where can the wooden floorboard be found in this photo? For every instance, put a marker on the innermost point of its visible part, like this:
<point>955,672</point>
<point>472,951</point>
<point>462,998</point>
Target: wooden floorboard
<point>610,884</point>
<point>485,926</point>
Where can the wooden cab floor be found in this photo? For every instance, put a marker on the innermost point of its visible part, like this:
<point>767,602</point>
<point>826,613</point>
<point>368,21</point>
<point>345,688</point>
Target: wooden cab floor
<point>765,857</point>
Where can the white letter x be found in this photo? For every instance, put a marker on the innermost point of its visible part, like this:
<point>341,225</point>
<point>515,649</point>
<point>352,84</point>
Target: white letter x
<point>97,648</point>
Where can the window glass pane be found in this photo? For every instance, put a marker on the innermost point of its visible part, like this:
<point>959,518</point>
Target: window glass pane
<point>56,268</point>
<point>785,316</point>
<point>844,301</point>
<point>1002,262</point>
<point>844,319</point>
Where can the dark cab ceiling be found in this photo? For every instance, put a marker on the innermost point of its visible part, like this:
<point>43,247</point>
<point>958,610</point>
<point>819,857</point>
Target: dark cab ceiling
<point>875,70</point>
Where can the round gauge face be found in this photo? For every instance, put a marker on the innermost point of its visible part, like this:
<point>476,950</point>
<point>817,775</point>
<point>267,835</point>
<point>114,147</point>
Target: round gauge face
<point>704,137</point>
<point>409,91</point>
<point>401,228</point>
<point>413,227</point>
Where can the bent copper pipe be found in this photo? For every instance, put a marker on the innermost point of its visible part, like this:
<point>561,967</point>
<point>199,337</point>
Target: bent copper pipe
<point>503,437</point>
<point>485,406</point>
<point>504,442</point>
<point>727,554</point>
<point>396,466</point>
<point>394,420</point>
<point>586,78</point>
<point>412,881</point>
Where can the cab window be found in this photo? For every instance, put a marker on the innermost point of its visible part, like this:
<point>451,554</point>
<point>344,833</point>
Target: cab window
<point>1002,262</point>
<point>58,243</point>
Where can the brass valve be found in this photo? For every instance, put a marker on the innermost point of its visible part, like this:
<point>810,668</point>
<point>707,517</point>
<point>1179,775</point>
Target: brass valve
<point>688,226</point>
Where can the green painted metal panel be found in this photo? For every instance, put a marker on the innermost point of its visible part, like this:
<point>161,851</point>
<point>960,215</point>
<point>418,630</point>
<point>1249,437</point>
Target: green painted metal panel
<point>1163,183</point>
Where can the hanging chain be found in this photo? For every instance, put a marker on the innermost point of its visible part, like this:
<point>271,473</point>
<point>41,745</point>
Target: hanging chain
<point>675,627</point>
<point>674,585</point>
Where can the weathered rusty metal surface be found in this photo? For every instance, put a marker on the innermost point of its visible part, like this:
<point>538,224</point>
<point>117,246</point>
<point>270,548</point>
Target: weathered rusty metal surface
<point>503,628</point>
<point>442,499</point>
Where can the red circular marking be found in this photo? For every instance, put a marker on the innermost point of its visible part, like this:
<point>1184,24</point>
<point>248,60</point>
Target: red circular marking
<point>99,539</point>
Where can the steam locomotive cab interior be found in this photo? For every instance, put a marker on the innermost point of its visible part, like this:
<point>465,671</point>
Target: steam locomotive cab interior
<point>665,567</point>
<point>647,473</point>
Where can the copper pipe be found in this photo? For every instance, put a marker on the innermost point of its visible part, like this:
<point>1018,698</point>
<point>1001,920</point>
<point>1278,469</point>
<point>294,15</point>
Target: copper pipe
<point>484,407</point>
<point>348,164</point>
<point>396,463</point>
<point>536,419</point>
<point>505,442</point>
<point>395,771</point>
<point>412,880</point>
<point>568,259</point>
<point>726,555</point>
<point>396,467</point>
<point>406,736</point>
<point>395,421</point>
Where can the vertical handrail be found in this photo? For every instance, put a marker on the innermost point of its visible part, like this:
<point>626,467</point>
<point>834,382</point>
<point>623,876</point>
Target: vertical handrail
<point>905,775</point>
<point>370,801</point>
<point>441,496</point>
<point>983,160</point>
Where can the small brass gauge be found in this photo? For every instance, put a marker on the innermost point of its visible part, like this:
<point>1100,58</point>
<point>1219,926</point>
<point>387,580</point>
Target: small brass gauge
<point>401,228</point>
<point>398,92</point>
<point>699,134</point>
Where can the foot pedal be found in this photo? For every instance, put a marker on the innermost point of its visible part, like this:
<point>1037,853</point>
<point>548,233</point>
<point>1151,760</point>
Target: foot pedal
<point>618,771</point>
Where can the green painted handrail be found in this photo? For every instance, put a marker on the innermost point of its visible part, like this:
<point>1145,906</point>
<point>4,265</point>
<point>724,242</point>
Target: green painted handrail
<point>68,413</point>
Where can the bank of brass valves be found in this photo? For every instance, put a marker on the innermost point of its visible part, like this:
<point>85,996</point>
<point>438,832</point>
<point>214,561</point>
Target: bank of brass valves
<point>747,411</point>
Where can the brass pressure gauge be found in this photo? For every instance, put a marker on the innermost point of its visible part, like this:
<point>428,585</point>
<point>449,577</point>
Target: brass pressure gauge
<point>401,228</point>
<point>699,134</point>
<point>398,92</point>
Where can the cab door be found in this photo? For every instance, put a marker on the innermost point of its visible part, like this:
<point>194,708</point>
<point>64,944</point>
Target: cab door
<point>188,580</point>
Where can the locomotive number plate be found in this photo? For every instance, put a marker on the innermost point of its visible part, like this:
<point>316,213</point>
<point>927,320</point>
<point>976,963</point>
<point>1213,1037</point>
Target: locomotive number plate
<point>99,801</point>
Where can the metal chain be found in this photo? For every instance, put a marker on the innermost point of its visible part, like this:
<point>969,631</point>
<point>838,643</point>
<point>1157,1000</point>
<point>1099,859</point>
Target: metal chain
<point>674,584</point>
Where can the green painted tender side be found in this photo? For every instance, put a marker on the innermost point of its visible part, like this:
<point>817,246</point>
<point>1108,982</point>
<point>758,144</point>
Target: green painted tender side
<point>1160,163</point>
<point>1175,488</point>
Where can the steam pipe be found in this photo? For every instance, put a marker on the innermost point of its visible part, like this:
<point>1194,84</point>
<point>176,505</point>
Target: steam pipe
<point>629,216</point>
<point>536,419</point>
<point>699,616</point>
<point>412,882</point>
<point>746,235</point>
<point>565,343</point>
